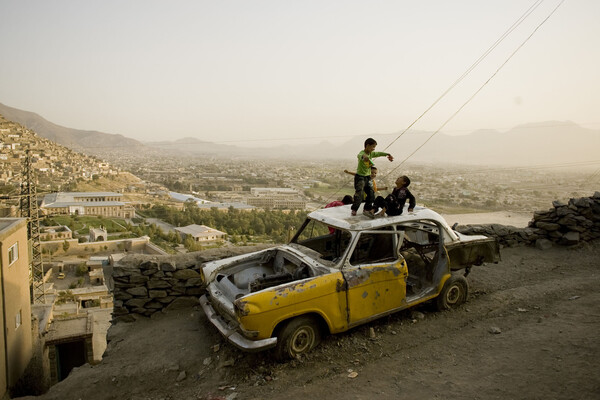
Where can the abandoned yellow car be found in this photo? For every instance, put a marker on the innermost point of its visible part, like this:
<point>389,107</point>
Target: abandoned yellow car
<point>289,296</point>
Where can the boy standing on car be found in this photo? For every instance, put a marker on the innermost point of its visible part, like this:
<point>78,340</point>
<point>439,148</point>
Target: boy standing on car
<point>363,176</point>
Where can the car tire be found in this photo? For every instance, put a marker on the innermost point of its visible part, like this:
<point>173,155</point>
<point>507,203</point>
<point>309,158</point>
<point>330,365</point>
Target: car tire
<point>453,294</point>
<point>298,336</point>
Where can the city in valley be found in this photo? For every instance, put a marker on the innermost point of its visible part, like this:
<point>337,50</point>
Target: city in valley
<point>92,212</point>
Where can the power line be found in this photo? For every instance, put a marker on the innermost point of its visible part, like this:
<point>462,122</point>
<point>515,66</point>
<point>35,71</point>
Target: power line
<point>475,64</point>
<point>480,88</point>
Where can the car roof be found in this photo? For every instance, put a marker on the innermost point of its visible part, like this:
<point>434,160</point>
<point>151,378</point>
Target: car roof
<point>340,217</point>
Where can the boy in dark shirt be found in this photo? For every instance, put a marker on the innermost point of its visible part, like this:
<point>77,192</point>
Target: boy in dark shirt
<point>393,204</point>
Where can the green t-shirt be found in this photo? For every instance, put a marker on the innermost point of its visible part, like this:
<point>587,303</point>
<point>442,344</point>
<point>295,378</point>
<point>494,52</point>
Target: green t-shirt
<point>364,167</point>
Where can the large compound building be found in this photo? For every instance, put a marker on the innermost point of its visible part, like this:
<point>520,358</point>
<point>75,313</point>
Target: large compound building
<point>106,204</point>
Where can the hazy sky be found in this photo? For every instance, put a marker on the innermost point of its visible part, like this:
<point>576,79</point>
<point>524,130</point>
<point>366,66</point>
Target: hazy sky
<point>233,71</point>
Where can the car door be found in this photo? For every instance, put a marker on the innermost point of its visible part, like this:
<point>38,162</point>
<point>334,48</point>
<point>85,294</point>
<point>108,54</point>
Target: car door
<point>375,276</point>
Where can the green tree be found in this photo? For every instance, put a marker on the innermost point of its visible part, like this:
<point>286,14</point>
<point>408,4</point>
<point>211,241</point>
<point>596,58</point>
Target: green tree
<point>81,269</point>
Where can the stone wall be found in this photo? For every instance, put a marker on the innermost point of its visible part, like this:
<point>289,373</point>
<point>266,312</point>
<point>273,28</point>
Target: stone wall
<point>146,284</point>
<point>141,244</point>
<point>564,225</point>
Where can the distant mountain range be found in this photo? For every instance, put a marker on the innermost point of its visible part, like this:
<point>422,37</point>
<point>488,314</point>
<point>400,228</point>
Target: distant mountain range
<point>544,143</point>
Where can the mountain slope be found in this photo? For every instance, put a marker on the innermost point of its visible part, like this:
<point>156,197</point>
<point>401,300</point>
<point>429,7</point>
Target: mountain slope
<point>90,142</point>
<point>546,143</point>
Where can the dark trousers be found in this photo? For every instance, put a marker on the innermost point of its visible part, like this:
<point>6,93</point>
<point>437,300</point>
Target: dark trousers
<point>392,205</point>
<point>362,186</point>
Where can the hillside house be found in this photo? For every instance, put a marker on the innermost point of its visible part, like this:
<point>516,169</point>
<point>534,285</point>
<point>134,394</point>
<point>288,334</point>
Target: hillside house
<point>201,233</point>
<point>59,232</point>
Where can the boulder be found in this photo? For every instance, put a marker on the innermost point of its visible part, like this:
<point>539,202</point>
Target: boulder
<point>185,274</point>
<point>570,238</point>
<point>139,291</point>
<point>183,302</point>
<point>168,267</point>
<point>548,226</point>
<point>543,244</point>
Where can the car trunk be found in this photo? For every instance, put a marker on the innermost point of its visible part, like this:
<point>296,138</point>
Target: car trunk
<point>473,252</point>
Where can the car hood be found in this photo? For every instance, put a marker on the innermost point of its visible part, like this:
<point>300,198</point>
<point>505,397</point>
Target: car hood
<point>212,268</point>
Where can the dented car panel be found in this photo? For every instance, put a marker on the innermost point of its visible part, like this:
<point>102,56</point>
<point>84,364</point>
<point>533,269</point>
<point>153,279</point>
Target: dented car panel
<point>365,269</point>
<point>374,290</point>
<point>263,311</point>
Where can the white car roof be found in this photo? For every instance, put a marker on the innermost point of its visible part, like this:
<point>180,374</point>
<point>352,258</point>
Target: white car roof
<point>340,217</point>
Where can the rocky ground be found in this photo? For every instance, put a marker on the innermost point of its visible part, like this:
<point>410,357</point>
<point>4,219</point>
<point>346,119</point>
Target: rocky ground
<point>529,331</point>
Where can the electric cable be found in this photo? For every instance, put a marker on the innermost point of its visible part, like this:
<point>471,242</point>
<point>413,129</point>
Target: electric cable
<point>473,66</point>
<point>479,89</point>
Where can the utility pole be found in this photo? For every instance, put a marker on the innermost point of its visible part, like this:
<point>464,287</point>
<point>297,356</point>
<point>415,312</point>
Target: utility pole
<point>29,210</point>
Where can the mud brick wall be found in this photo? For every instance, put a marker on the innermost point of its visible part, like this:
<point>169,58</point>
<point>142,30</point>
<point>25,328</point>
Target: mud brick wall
<point>564,224</point>
<point>146,284</point>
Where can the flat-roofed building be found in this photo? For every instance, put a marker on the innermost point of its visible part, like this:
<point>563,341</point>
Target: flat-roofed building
<point>106,204</point>
<point>59,232</point>
<point>201,233</point>
<point>15,302</point>
<point>260,191</point>
<point>276,199</point>
<point>277,203</point>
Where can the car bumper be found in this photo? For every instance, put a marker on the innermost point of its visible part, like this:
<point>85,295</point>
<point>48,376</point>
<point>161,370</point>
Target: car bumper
<point>232,335</point>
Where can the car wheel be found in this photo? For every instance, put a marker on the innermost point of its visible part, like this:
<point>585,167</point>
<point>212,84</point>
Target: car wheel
<point>298,336</point>
<point>454,293</point>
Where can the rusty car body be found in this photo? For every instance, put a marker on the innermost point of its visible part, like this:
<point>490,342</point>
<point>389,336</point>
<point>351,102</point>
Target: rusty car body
<point>288,296</point>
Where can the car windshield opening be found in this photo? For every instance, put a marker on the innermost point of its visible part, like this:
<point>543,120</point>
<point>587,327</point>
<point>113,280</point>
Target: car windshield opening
<point>329,243</point>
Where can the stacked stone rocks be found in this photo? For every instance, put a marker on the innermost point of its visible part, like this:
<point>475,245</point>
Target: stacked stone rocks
<point>564,224</point>
<point>144,284</point>
<point>152,286</point>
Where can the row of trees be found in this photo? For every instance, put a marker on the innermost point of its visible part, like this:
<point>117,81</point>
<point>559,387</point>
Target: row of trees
<point>240,225</point>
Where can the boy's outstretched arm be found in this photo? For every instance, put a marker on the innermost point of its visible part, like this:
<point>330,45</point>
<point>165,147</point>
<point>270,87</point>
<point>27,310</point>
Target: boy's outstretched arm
<point>382,154</point>
<point>349,172</point>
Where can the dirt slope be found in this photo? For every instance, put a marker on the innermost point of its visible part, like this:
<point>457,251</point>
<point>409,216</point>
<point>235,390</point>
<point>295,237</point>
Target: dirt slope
<point>529,331</point>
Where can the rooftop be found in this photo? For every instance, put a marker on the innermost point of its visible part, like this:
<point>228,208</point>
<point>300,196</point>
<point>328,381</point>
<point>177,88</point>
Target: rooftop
<point>340,217</point>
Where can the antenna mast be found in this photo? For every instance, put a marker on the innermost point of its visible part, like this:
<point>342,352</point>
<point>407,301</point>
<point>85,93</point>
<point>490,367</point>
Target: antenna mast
<point>29,210</point>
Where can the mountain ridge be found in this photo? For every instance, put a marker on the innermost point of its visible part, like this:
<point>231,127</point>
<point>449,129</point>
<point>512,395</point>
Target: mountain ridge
<point>547,142</point>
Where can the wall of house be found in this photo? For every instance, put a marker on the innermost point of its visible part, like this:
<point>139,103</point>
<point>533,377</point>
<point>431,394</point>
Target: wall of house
<point>16,341</point>
<point>3,377</point>
<point>142,244</point>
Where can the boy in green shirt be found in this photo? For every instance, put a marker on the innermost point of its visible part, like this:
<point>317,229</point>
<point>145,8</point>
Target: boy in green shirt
<point>363,176</point>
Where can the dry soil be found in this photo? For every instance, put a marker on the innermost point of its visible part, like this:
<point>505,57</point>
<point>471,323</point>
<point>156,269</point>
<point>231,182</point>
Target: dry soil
<point>529,330</point>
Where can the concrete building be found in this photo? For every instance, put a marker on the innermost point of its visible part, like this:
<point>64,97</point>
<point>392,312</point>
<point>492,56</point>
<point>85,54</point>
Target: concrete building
<point>276,198</point>
<point>55,233</point>
<point>277,203</point>
<point>98,234</point>
<point>201,233</point>
<point>225,206</point>
<point>258,191</point>
<point>106,204</point>
<point>15,303</point>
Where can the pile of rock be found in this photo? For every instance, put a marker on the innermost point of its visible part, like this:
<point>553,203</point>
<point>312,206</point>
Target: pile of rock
<point>152,285</point>
<point>145,284</point>
<point>564,224</point>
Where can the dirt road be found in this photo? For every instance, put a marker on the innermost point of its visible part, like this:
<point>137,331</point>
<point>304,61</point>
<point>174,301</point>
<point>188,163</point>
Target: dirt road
<point>530,330</point>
